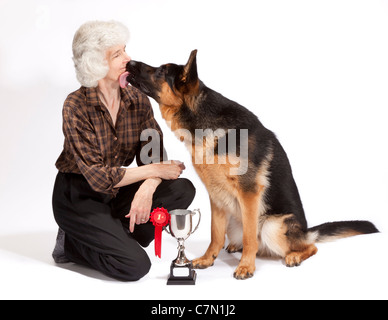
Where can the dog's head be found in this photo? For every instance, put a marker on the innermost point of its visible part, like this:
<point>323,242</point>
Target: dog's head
<point>169,85</point>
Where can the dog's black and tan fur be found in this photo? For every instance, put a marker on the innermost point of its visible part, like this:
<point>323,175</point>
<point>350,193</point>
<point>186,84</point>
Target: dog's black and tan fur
<point>260,210</point>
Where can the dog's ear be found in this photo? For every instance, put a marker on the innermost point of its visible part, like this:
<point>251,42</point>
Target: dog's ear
<point>189,74</point>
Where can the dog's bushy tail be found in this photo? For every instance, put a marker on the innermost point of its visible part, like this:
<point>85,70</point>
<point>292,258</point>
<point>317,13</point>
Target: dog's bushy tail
<point>336,230</point>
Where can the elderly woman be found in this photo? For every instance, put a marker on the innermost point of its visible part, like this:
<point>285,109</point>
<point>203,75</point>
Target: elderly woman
<point>103,207</point>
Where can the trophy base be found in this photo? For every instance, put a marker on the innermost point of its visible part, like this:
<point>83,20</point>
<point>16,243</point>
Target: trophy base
<point>182,280</point>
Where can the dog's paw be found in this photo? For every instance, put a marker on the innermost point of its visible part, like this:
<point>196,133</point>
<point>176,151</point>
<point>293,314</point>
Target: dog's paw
<point>203,262</point>
<point>244,272</point>
<point>232,248</point>
<point>293,259</point>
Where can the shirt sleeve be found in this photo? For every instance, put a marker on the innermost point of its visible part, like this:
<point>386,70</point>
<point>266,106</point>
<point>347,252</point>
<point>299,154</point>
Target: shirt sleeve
<point>151,137</point>
<point>87,154</point>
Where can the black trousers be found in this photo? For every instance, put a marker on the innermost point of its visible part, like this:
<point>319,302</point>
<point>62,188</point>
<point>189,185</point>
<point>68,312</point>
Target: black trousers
<point>96,230</point>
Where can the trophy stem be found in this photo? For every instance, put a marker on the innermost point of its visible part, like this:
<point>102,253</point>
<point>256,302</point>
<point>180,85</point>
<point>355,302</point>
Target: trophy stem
<point>181,259</point>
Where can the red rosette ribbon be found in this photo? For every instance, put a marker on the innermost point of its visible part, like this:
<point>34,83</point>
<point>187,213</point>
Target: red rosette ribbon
<point>159,218</point>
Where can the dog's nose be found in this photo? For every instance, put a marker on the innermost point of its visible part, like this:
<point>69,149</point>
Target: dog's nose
<point>132,65</point>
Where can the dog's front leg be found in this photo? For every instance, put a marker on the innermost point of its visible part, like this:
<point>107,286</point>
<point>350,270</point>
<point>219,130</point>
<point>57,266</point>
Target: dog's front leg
<point>249,204</point>
<point>218,231</point>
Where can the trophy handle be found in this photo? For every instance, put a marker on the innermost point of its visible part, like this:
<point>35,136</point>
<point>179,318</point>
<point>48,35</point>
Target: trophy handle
<point>165,229</point>
<point>199,220</point>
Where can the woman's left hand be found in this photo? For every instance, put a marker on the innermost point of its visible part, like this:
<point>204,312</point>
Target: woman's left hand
<point>142,202</point>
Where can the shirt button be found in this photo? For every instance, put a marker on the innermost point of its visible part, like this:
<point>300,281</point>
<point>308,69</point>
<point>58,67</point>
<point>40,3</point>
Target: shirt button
<point>115,138</point>
<point>116,156</point>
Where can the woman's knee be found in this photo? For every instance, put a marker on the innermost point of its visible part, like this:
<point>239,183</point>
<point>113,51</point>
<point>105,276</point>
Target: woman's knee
<point>185,191</point>
<point>140,270</point>
<point>125,269</point>
<point>174,194</point>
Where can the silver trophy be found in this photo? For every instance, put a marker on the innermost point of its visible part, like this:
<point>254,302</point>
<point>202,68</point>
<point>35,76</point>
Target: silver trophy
<point>181,227</point>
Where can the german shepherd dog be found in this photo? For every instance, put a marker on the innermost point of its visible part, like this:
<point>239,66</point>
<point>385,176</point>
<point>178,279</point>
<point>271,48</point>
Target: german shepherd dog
<point>257,205</point>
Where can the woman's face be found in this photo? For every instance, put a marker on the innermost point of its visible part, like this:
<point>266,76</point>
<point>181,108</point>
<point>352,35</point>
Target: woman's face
<point>117,60</point>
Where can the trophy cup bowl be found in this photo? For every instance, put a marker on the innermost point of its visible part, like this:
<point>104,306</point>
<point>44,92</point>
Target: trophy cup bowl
<point>181,227</point>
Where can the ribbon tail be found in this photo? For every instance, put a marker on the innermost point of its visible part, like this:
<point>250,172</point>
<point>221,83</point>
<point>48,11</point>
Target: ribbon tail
<point>158,241</point>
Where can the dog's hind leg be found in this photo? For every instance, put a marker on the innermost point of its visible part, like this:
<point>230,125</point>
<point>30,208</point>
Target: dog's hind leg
<point>295,258</point>
<point>284,237</point>
<point>218,231</point>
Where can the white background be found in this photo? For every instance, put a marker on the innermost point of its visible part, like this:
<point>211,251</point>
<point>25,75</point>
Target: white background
<point>315,72</point>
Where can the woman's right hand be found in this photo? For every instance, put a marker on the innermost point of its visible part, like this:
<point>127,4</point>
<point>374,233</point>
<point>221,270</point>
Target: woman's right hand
<point>169,170</point>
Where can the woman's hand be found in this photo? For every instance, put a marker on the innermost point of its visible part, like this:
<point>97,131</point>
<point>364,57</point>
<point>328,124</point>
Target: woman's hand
<point>142,203</point>
<point>169,170</point>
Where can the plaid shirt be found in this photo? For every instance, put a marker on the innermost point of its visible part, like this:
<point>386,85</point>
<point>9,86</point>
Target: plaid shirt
<point>97,149</point>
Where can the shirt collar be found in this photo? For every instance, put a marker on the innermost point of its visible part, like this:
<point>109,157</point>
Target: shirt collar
<point>128,97</point>
<point>92,97</point>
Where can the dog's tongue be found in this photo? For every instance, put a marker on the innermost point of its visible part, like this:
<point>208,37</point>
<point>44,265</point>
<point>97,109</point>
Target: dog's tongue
<point>123,79</point>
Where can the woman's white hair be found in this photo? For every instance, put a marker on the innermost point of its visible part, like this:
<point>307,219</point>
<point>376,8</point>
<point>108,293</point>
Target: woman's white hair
<point>90,43</point>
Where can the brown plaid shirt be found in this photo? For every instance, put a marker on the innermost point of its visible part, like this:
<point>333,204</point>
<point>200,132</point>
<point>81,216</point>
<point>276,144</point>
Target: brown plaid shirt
<point>97,149</point>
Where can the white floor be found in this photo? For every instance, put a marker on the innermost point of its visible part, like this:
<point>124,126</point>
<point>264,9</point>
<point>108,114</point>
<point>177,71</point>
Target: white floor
<point>353,268</point>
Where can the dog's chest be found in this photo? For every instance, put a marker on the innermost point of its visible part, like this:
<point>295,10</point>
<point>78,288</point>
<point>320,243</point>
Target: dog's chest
<point>222,189</point>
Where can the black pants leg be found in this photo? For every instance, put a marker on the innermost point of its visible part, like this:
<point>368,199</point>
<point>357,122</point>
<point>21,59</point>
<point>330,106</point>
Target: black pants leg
<point>93,224</point>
